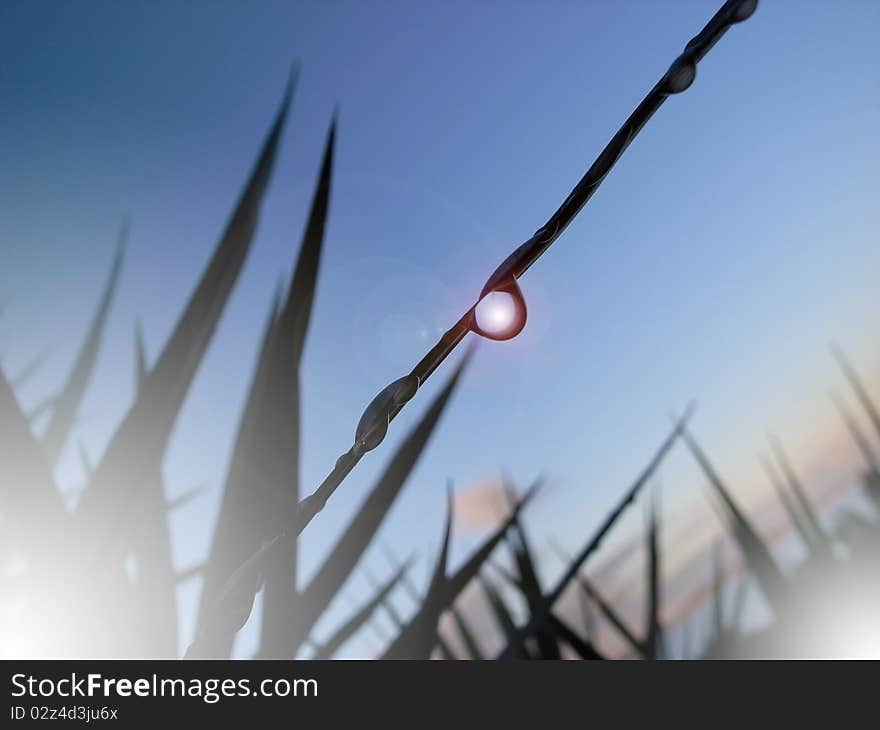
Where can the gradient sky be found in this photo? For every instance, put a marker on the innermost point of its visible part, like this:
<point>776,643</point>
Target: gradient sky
<point>735,238</point>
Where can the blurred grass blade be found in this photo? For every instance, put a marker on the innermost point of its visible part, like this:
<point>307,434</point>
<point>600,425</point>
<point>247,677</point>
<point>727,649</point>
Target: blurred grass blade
<point>418,637</point>
<point>141,439</point>
<point>587,615</point>
<point>277,481</point>
<point>588,618</point>
<point>555,629</point>
<point>232,607</point>
<point>192,572</point>
<point>444,649</point>
<point>155,630</point>
<point>686,648</point>
<point>820,536</point>
<point>807,537</point>
<point>858,387</point>
<point>413,642</point>
<point>328,648</point>
<point>30,369</point>
<point>628,498</point>
<point>156,633</point>
<point>140,356</point>
<point>611,615</point>
<point>855,431</point>
<point>457,582</point>
<point>85,461</point>
<point>755,551</point>
<point>388,606</point>
<point>68,401</point>
<point>41,408</point>
<point>467,636</point>
<point>500,613</point>
<point>654,630</point>
<point>582,647</point>
<point>185,498</point>
<point>36,517</point>
<point>717,590</point>
<point>530,585</point>
<point>127,470</point>
<point>538,620</point>
<point>238,532</point>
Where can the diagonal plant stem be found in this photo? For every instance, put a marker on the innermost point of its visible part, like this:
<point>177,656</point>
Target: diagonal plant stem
<point>383,409</point>
<point>374,422</point>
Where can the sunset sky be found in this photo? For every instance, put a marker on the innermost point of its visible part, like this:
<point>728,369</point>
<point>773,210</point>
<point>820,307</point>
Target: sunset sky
<point>734,240</point>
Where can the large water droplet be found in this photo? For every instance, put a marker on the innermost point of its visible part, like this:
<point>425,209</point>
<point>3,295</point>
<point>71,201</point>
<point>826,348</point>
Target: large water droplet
<point>681,75</point>
<point>500,314</point>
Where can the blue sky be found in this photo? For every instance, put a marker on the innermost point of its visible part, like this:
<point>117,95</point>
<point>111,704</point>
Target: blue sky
<point>736,237</point>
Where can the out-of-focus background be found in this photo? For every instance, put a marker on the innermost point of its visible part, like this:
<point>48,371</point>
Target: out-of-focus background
<point>732,244</point>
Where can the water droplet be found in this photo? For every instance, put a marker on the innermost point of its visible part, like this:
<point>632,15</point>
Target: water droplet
<point>373,426</point>
<point>681,75</point>
<point>500,314</point>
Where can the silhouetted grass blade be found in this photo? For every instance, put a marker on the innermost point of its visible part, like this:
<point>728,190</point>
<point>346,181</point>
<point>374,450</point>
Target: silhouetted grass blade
<point>242,521</point>
<point>279,472</point>
<point>23,461</point>
<point>538,619</point>
<point>754,550</point>
<point>468,639</point>
<point>419,636</point>
<point>328,648</point>
<point>139,442</point>
<point>654,630</point>
<point>68,400</point>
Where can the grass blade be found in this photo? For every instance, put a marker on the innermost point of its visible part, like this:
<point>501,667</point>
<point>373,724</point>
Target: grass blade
<point>590,592</point>
<point>238,533</point>
<point>457,582</point>
<point>855,431</point>
<point>467,636</point>
<point>67,403</point>
<point>791,511</point>
<point>419,636</point>
<point>583,648</point>
<point>413,642</point>
<point>232,607</point>
<point>140,356</point>
<point>156,634</point>
<point>30,369</point>
<point>141,439</point>
<point>531,587</point>
<point>328,648</point>
<point>279,472</point>
<point>800,493</point>
<point>755,551</point>
<point>539,619</point>
<point>858,387</point>
<point>444,648</point>
<point>500,613</point>
<point>871,477</point>
<point>654,630</point>
<point>22,461</point>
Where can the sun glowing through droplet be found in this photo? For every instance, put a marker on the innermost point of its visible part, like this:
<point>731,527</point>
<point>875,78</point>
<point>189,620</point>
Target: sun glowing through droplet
<point>498,315</point>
